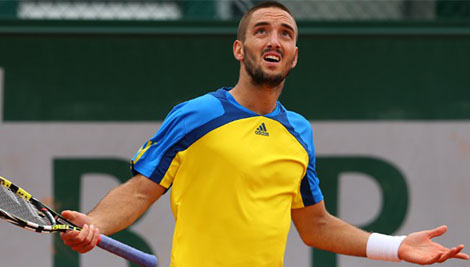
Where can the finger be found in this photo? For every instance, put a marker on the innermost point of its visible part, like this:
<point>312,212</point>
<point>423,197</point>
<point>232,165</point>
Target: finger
<point>85,244</point>
<point>66,236</point>
<point>437,231</point>
<point>449,254</point>
<point>460,247</point>
<point>82,237</point>
<point>75,241</point>
<point>462,256</point>
<point>93,242</point>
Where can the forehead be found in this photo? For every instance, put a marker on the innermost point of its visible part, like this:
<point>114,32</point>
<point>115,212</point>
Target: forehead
<point>272,15</point>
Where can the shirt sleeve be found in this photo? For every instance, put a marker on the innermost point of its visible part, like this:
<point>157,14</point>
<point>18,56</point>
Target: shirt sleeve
<point>157,158</point>
<point>149,158</point>
<point>309,192</point>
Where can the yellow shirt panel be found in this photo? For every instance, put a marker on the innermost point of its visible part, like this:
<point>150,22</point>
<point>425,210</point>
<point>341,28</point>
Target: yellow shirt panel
<point>232,195</point>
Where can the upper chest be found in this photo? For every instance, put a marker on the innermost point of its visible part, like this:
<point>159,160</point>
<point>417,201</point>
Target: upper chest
<point>256,146</point>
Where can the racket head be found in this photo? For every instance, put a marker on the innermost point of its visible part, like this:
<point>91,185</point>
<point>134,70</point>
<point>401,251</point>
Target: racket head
<point>18,207</point>
<point>50,221</point>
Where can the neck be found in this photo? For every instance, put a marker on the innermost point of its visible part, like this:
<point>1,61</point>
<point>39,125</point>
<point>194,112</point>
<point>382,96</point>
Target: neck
<point>257,98</point>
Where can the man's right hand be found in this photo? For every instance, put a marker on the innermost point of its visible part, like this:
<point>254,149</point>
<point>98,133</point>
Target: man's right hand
<point>86,239</point>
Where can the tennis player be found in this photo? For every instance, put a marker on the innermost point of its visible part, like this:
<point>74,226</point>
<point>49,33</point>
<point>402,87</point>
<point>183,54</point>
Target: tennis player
<point>241,167</point>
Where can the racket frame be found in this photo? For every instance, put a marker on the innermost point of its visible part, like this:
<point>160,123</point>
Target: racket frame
<point>104,242</point>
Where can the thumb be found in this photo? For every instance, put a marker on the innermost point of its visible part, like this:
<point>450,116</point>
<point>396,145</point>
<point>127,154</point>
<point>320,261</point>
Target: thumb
<point>438,231</point>
<point>74,217</point>
<point>69,215</point>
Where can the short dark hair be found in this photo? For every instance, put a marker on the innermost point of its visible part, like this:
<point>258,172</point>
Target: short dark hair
<point>241,34</point>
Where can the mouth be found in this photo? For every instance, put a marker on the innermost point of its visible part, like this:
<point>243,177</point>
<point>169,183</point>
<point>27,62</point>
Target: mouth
<point>272,58</point>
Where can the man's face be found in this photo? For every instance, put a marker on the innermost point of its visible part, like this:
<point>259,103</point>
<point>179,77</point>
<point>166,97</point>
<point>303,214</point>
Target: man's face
<point>269,48</point>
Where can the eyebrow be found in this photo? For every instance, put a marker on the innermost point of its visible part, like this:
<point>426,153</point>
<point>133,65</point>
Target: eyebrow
<point>264,23</point>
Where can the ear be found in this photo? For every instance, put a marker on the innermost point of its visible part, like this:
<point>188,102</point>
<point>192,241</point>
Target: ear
<point>238,50</point>
<point>294,62</point>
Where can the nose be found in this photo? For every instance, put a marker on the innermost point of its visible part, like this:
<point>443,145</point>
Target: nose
<point>273,42</point>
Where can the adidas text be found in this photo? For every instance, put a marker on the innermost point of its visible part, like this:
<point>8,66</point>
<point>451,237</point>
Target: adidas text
<point>263,133</point>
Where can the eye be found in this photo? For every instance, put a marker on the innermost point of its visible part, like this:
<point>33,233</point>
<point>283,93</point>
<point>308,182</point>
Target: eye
<point>287,34</point>
<point>260,31</point>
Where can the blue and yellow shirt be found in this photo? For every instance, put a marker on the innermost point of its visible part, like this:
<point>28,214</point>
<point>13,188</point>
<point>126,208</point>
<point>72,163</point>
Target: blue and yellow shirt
<point>235,176</point>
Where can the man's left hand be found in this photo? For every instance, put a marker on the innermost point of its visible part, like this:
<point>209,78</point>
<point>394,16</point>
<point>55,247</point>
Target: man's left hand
<point>419,248</point>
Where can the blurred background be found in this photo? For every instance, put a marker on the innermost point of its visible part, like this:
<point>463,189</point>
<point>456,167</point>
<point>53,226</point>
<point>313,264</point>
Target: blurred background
<point>323,10</point>
<point>385,84</point>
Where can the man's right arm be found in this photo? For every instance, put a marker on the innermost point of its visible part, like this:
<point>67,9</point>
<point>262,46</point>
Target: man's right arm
<point>121,207</point>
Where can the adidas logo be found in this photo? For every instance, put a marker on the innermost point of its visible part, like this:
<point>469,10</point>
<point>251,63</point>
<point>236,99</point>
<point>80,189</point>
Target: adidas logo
<point>261,130</point>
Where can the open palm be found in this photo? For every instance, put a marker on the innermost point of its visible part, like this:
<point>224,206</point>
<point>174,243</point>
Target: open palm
<point>419,248</point>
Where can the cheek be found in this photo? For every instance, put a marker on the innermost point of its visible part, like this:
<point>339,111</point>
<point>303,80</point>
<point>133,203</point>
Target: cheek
<point>249,54</point>
<point>291,57</point>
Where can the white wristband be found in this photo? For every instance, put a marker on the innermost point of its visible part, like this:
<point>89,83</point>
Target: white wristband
<point>383,247</point>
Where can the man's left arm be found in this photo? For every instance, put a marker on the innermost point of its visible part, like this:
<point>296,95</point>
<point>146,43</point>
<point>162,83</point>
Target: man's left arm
<point>321,230</point>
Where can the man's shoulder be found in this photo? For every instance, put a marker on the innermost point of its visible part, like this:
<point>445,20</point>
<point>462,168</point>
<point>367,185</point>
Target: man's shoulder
<point>201,108</point>
<point>302,127</point>
<point>297,120</point>
<point>207,102</point>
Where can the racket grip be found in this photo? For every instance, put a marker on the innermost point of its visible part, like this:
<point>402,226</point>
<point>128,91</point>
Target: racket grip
<point>127,252</point>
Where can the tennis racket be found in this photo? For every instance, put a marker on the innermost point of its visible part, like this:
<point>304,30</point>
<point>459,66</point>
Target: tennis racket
<point>21,209</point>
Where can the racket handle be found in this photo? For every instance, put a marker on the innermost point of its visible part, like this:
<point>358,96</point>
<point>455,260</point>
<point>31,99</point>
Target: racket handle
<point>127,252</point>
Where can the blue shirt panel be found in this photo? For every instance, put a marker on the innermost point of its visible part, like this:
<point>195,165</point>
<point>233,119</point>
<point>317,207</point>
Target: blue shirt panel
<point>182,119</point>
<point>301,129</point>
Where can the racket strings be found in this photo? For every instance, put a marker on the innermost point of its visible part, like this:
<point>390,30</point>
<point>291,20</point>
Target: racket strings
<point>20,207</point>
